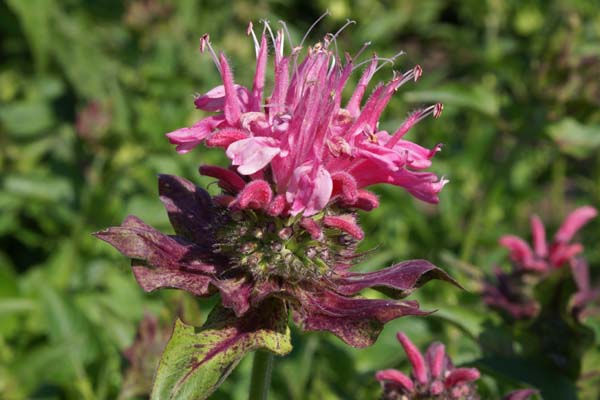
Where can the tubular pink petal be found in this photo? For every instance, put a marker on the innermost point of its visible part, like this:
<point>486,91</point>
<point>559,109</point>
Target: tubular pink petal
<point>461,375</point>
<point>436,355</point>
<point>436,388</point>
<point>520,251</point>
<point>214,99</point>
<point>276,206</point>
<point>395,377</point>
<point>353,105</point>
<point>574,222</point>
<point>231,107</point>
<point>224,137</point>
<point>188,138</point>
<point>312,228</point>
<point>259,76</point>
<point>539,236</point>
<point>345,223</point>
<point>252,154</point>
<point>366,200</point>
<point>256,195</point>
<point>228,180</point>
<point>561,253</point>
<point>415,357</point>
<point>344,186</point>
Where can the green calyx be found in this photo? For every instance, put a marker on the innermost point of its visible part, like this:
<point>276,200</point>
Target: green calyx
<point>279,247</point>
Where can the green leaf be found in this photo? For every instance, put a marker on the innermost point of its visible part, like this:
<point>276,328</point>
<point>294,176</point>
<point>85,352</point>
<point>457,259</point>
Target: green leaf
<point>575,139</point>
<point>197,360</point>
<point>26,119</point>
<point>554,386</point>
<point>476,97</point>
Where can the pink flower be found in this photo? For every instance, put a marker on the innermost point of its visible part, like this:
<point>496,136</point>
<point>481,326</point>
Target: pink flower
<point>510,291</point>
<point>301,136</point>
<point>433,376</point>
<point>546,256</point>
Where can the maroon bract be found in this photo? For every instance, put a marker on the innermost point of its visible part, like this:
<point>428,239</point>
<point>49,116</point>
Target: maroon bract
<point>433,376</point>
<point>246,254</point>
<point>312,150</point>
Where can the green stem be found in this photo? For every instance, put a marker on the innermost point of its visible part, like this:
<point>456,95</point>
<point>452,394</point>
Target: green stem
<point>261,375</point>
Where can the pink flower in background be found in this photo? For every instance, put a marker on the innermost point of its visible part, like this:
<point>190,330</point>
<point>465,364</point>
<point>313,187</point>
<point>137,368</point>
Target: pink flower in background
<point>511,292</point>
<point>433,376</point>
<point>309,146</point>
<point>546,256</point>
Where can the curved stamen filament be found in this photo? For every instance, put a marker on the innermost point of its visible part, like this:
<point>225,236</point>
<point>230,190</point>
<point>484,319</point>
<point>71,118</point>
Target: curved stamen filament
<point>204,44</point>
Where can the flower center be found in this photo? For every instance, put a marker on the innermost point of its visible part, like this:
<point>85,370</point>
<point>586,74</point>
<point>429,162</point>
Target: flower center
<point>277,247</point>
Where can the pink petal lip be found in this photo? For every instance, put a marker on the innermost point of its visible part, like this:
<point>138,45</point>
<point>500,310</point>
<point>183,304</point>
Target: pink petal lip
<point>252,154</point>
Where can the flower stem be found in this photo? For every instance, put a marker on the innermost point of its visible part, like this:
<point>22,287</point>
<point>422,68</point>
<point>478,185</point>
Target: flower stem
<point>261,375</point>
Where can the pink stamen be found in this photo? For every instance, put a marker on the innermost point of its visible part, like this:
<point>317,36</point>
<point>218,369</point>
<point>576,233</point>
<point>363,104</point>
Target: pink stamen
<point>204,44</point>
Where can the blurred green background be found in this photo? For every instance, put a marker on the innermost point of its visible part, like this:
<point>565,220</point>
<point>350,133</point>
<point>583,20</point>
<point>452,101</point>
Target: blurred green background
<point>88,89</point>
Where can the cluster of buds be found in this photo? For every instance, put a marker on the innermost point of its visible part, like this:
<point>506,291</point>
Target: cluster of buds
<point>434,377</point>
<point>511,294</point>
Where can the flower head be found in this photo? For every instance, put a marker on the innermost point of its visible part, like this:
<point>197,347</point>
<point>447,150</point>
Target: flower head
<point>433,376</point>
<point>310,147</point>
<point>247,252</point>
<point>511,291</point>
<point>285,224</point>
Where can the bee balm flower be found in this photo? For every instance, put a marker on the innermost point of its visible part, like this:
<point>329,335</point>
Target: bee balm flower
<point>312,148</point>
<point>433,376</point>
<point>285,225</point>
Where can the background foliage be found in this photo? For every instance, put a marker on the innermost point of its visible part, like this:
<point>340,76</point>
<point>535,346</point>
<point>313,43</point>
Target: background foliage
<point>88,88</point>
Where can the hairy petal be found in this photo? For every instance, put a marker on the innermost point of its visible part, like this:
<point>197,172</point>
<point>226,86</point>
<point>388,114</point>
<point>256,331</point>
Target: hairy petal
<point>520,251</point>
<point>574,222</point>
<point>461,375</point>
<point>539,236</point>
<point>395,377</point>
<point>228,180</point>
<point>256,195</point>
<point>436,359</point>
<point>345,223</point>
<point>186,139</point>
<point>415,357</point>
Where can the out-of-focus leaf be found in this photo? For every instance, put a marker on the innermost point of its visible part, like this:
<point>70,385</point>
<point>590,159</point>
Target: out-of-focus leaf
<point>34,16</point>
<point>475,97</point>
<point>50,188</point>
<point>197,360</point>
<point>26,119</point>
<point>553,386</point>
<point>574,138</point>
